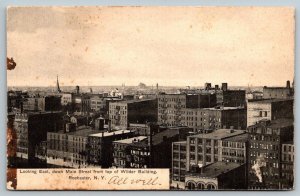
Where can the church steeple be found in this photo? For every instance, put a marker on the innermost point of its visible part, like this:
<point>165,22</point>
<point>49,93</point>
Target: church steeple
<point>57,86</point>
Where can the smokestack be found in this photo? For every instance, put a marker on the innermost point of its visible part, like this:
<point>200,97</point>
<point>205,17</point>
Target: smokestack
<point>77,89</point>
<point>224,86</point>
<point>288,84</point>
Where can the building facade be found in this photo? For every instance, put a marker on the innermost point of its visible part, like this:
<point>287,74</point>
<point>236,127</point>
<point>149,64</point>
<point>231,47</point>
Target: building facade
<point>132,111</point>
<point>265,151</point>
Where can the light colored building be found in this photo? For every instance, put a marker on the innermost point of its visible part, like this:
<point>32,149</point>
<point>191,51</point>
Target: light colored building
<point>269,109</point>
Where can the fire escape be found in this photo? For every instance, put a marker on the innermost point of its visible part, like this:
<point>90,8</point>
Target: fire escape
<point>164,114</point>
<point>177,110</point>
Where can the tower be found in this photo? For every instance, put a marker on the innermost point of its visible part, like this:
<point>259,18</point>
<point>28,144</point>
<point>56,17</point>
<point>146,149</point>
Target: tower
<point>57,86</point>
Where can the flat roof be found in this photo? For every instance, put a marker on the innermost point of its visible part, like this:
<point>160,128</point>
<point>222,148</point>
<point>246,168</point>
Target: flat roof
<point>220,134</point>
<point>135,101</point>
<point>270,100</point>
<point>106,133</point>
<point>281,122</point>
<point>131,140</point>
<point>216,169</point>
<point>238,138</point>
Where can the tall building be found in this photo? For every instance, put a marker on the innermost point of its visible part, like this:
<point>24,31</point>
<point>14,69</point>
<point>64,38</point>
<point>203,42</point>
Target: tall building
<point>265,151</point>
<point>223,145</point>
<point>269,109</point>
<point>214,118</point>
<point>68,148</point>
<point>132,111</point>
<point>47,103</point>
<point>170,106</point>
<point>287,164</point>
<point>121,150</point>
<point>31,129</point>
<point>100,147</point>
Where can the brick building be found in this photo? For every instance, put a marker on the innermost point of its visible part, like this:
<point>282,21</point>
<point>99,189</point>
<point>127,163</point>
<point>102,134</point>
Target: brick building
<point>132,111</point>
<point>225,145</point>
<point>217,176</point>
<point>287,164</point>
<point>121,150</point>
<point>170,106</point>
<point>269,109</point>
<point>100,147</point>
<point>286,92</point>
<point>215,118</point>
<point>31,129</point>
<point>265,151</point>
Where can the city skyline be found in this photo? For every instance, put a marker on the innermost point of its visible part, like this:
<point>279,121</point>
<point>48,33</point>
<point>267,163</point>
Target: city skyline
<point>178,46</point>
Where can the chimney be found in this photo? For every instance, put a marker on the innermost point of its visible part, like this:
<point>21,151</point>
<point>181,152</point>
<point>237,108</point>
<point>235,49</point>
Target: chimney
<point>224,86</point>
<point>207,86</point>
<point>109,125</point>
<point>216,87</point>
<point>288,84</point>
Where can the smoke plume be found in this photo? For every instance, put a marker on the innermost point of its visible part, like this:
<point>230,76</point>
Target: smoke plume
<point>260,162</point>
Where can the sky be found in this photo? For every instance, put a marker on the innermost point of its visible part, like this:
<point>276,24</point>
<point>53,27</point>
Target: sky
<point>171,46</point>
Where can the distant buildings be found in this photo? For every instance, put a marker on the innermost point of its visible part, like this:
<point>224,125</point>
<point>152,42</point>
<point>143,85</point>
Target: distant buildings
<point>269,109</point>
<point>132,111</point>
<point>265,163</point>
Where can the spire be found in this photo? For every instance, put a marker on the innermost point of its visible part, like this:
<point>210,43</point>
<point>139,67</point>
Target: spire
<point>57,86</point>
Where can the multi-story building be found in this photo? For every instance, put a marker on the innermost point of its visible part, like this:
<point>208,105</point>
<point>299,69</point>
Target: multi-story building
<point>100,147</point>
<point>231,98</point>
<point>278,92</point>
<point>132,111</point>
<point>47,103</point>
<point>227,145</point>
<point>178,164</point>
<point>287,165</point>
<point>68,148</point>
<point>217,176</point>
<point>170,106</point>
<point>121,150</point>
<point>214,118</point>
<point>265,151</point>
<point>269,109</point>
<point>66,98</point>
<point>202,150</point>
<point>31,129</point>
<point>149,153</point>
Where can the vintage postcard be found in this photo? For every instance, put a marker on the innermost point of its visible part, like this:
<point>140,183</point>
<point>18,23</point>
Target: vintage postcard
<point>150,98</point>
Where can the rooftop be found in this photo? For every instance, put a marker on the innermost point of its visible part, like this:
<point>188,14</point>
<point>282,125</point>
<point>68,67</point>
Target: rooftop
<point>135,101</point>
<point>238,138</point>
<point>220,134</point>
<point>269,100</point>
<point>131,140</point>
<point>107,134</point>
<point>216,169</point>
<point>280,123</point>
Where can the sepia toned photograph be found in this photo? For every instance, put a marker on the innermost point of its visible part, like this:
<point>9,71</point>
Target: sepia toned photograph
<point>150,98</point>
